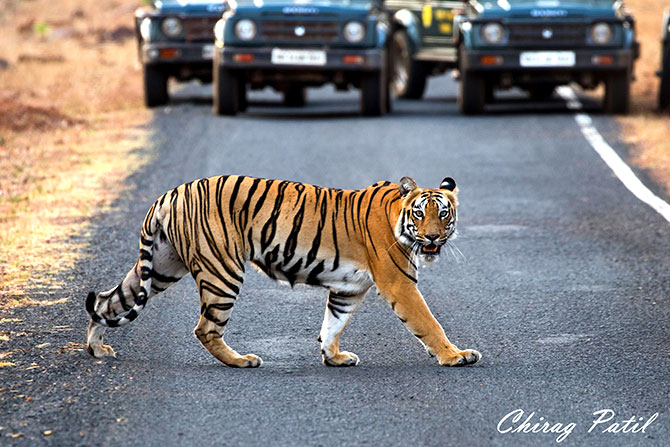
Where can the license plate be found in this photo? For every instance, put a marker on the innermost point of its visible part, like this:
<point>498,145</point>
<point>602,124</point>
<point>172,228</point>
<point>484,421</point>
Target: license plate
<point>208,52</point>
<point>547,59</point>
<point>298,57</point>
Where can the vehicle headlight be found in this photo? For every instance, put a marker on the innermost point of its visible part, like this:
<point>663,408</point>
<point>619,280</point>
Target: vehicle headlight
<point>493,33</point>
<point>219,29</point>
<point>354,32</point>
<point>145,29</point>
<point>171,27</point>
<point>601,33</point>
<point>245,29</point>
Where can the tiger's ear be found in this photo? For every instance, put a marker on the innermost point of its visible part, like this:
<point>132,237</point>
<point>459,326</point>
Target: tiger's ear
<point>406,186</point>
<point>448,183</point>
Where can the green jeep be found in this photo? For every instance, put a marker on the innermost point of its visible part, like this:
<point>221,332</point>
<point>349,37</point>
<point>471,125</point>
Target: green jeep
<point>424,42</point>
<point>293,44</point>
<point>538,45</point>
<point>175,39</point>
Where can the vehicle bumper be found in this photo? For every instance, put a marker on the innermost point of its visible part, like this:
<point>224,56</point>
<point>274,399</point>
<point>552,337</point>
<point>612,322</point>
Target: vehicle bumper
<point>368,59</point>
<point>586,60</point>
<point>176,53</point>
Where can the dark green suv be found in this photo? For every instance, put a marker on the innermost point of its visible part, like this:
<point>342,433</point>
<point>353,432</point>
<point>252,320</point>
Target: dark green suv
<point>424,43</point>
<point>175,39</point>
<point>538,45</point>
<point>290,45</point>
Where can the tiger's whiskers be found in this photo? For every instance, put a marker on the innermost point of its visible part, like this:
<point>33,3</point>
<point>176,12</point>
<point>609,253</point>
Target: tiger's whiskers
<point>456,252</point>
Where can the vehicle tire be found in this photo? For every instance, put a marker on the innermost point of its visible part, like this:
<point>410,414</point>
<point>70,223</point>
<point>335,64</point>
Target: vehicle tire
<point>226,98</point>
<point>617,93</point>
<point>489,94</point>
<point>388,100</point>
<point>155,86</point>
<point>295,96</point>
<point>374,90</point>
<point>664,86</point>
<point>664,90</point>
<point>472,89</point>
<point>241,95</point>
<point>408,76</point>
<point>389,61</point>
<point>471,93</point>
<point>541,92</point>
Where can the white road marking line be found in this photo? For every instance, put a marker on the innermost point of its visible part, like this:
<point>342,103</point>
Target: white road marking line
<point>611,158</point>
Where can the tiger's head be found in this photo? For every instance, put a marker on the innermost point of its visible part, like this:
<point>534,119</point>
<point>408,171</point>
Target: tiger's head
<point>427,218</point>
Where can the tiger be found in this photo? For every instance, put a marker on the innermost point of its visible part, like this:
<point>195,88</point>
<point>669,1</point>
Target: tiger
<point>345,241</point>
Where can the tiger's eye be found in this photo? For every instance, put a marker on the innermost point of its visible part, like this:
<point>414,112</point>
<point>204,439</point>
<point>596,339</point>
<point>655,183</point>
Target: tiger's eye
<point>418,214</point>
<point>443,214</point>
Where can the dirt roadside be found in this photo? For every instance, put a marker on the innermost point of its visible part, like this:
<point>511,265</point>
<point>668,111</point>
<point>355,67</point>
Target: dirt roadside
<point>645,130</point>
<point>71,114</point>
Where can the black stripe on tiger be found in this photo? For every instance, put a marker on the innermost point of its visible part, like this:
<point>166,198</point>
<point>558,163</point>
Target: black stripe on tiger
<point>270,227</point>
<point>338,304</point>
<point>316,242</point>
<point>292,239</point>
<point>261,199</point>
<point>244,212</point>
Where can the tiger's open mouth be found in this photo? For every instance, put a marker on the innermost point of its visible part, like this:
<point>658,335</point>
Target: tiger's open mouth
<point>430,249</point>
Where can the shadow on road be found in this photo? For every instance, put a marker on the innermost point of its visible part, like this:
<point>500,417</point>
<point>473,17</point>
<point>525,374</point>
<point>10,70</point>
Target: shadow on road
<point>268,104</point>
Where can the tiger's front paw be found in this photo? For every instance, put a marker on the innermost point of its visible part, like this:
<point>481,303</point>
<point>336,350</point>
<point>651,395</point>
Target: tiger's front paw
<point>463,358</point>
<point>343,358</point>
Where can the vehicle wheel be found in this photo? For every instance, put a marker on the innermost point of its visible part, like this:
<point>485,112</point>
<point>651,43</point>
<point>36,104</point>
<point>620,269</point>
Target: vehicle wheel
<point>408,76</point>
<point>489,94</point>
<point>241,95</point>
<point>617,93</point>
<point>541,92</point>
<point>155,86</point>
<point>471,93</point>
<point>226,98</point>
<point>389,61</point>
<point>295,96</point>
<point>373,94</point>
<point>387,95</point>
<point>471,89</point>
<point>664,87</point>
<point>664,90</point>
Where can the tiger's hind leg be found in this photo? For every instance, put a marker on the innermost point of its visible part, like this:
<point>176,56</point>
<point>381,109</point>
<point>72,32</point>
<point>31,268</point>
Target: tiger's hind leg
<point>339,309</point>
<point>218,293</point>
<point>167,269</point>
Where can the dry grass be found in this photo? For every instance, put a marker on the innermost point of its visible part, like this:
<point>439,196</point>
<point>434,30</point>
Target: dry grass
<point>644,129</point>
<point>70,114</point>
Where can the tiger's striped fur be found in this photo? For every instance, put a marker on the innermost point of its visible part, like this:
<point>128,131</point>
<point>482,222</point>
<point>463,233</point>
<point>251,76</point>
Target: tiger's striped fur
<point>343,240</point>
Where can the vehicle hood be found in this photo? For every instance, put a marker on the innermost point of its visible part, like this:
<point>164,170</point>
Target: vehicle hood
<point>545,8</point>
<point>190,6</point>
<point>304,8</point>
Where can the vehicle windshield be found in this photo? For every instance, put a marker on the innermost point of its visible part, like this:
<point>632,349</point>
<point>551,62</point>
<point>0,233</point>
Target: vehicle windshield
<point>303,2</point>
<point>554,3</point>
<point>188,2</point>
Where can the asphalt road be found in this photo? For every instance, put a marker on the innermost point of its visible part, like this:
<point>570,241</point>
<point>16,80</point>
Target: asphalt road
<point>564,288</point>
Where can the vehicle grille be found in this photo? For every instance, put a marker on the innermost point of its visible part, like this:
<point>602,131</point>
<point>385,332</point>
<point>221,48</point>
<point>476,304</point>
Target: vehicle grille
<point>200,29</point>
<point>562,34</point>
<point>284,31</point>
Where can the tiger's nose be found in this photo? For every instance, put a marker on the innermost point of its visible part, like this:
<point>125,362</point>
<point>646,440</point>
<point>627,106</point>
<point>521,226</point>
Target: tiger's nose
<point>433,237</point>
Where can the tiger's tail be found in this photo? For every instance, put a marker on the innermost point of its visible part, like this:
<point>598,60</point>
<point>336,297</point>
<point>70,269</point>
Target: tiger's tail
<point>145,265</point>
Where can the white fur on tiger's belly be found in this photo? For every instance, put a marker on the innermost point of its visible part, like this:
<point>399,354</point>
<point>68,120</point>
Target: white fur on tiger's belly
<point>347,279</point>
